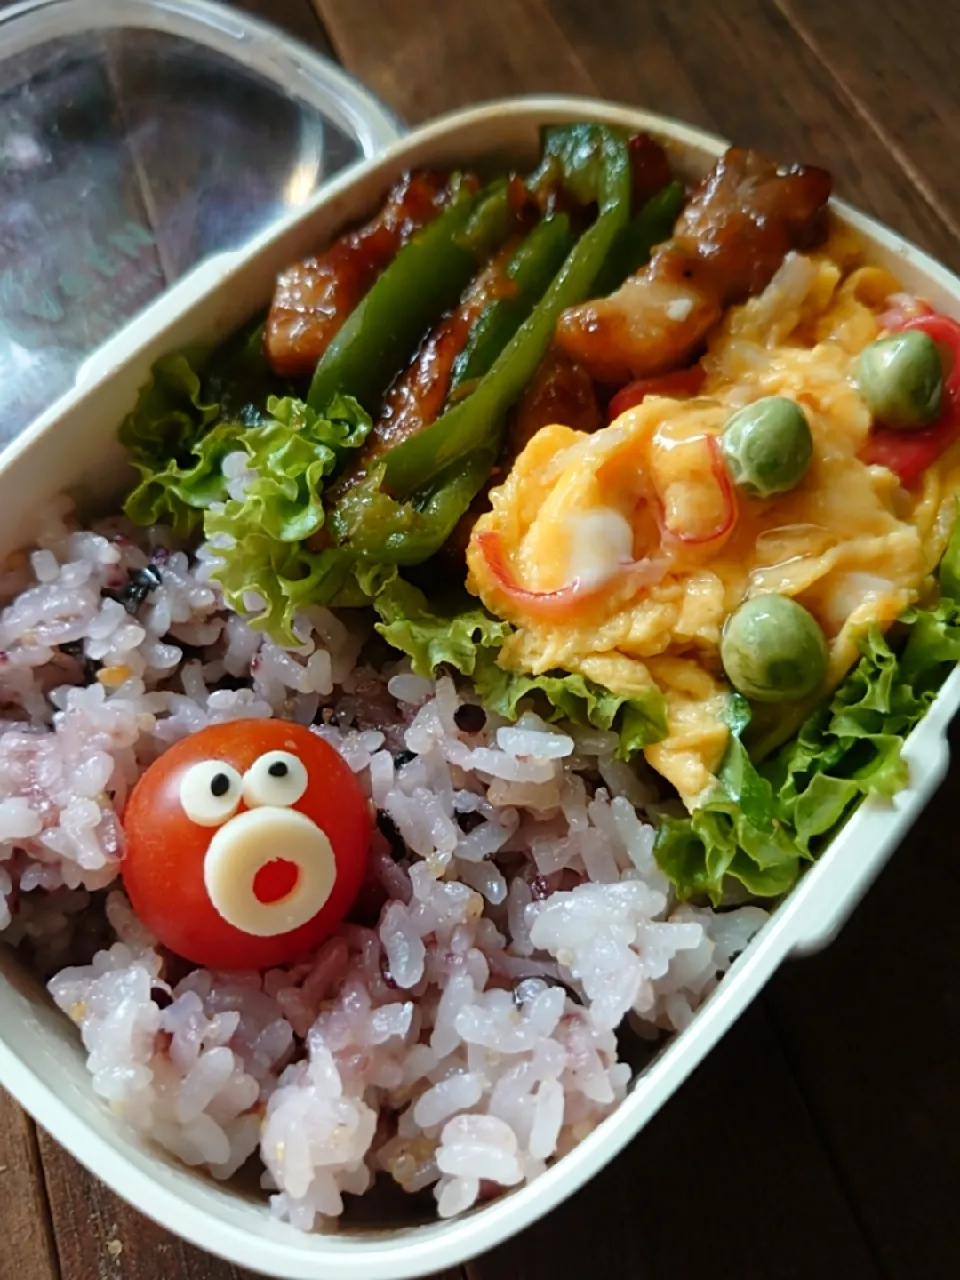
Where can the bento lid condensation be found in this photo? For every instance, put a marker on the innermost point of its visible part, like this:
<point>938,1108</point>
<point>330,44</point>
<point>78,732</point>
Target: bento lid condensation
<point>138,139</point>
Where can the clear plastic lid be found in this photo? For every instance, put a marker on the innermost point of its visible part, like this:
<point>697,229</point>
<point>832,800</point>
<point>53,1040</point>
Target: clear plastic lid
<point>138,138</point>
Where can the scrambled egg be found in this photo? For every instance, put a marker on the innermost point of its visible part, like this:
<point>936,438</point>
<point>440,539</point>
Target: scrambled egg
<point>849,543</point>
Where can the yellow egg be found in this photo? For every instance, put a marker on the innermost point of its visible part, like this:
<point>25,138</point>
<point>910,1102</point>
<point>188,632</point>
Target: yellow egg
<point>614,554</point>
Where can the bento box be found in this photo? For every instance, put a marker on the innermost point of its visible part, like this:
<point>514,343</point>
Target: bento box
<point>74,448</point>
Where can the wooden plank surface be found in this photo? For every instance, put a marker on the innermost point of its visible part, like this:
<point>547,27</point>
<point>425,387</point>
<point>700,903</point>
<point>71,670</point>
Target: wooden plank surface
<point>27,1248</point>
<point>708,1187</point>
<point>896,66</point>
<point>740,68</point>
<point>452,53</point>
<point>820,1137</point>
<point>870,1028</point>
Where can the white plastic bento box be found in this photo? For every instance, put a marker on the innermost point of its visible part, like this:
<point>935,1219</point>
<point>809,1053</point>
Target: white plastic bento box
<point>73,447</point>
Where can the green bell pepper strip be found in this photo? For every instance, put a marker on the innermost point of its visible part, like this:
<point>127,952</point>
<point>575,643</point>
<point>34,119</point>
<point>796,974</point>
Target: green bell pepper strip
<point>574,156</point>
<point>531,268</point>
<point>477,422</point>
<point>491,221</point>
<point>425,279</point>
<point>370,524</point>
<point>652,225</point>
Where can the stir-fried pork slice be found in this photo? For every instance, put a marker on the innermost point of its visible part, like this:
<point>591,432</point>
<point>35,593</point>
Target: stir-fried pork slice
<point>560,392</point>
<point>650,166</point>
<point>313,298</point>
<point>418,395</point>
<point>729,241</point>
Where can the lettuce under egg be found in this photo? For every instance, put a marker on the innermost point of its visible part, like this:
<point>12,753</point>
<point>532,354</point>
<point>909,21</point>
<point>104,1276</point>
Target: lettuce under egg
<point>764,821</point>
<point>469,639</point>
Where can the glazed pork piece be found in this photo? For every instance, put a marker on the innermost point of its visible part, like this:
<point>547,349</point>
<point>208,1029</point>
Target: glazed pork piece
<point>730,239</point>
<point>314,297</point>
<point>650,167</point>
<point>417,395</point>
<point>561,391</point>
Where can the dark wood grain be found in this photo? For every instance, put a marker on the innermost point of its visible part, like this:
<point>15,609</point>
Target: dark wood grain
<point>739,68</point>
<point>27,1249</point>
<point>453,53</point>
<point>896,66</point>
<point>99,1237</point>
<point>729,1179</point>
<point>872,1031</point>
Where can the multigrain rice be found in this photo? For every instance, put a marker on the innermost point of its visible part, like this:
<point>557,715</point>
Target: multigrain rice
<point>460,1034</point>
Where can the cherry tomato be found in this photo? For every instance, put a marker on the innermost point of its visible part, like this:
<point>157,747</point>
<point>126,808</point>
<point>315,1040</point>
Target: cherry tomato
<point>677,385</point>
<point>908,454</point>
<point>246,844</point>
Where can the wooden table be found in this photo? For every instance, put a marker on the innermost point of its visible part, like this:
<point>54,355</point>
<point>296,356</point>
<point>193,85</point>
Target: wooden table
<point>823,1136</point>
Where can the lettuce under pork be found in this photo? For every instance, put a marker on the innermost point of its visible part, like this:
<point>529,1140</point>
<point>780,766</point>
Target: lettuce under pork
<point>266,525</point>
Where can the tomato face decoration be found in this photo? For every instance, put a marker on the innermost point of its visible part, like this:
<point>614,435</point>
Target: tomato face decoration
<point>246,844</point>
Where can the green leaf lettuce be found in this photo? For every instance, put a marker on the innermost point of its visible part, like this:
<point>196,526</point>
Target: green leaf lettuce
<point>763,821</point>
<point>266,534</point>
<point>465,637</point>
<point>263,538</point>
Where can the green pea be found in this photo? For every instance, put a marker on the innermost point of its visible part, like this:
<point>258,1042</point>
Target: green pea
<point>767,446</point>
<point>773,650</point>
<point>901,379</point>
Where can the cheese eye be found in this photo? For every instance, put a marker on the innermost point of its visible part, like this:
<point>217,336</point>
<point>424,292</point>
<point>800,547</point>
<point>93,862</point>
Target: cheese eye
<point>210,792</point>
<point>277,778</point>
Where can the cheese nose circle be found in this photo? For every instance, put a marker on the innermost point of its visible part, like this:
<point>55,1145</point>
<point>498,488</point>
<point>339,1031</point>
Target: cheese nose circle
<point>246,844</point>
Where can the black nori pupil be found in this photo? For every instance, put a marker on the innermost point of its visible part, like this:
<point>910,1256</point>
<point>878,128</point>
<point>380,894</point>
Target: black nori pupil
<point>278,769</point>
<point>219,784</point>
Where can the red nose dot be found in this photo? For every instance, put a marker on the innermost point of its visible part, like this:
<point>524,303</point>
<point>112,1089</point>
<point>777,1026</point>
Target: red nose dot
<point>275,880</point>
